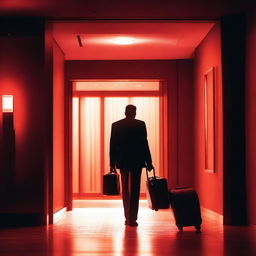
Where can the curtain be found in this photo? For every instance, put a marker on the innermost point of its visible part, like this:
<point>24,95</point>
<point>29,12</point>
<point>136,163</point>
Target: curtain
<point>75,145</point>
<point>87,141</point>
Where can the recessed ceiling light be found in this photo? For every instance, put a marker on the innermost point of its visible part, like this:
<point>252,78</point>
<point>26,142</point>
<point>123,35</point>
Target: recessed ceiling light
<point>123,40</point>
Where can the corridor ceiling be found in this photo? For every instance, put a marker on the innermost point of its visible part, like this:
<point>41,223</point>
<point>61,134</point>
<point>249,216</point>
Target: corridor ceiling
<point>150,40</point>
<point>161,37</point>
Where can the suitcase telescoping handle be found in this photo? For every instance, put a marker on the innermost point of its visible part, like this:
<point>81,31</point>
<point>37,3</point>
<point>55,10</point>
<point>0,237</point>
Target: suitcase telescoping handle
<point>154,173</point>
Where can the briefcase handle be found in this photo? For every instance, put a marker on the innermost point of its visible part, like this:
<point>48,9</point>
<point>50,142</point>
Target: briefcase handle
<point>154,173</point>
<point>112,171</point>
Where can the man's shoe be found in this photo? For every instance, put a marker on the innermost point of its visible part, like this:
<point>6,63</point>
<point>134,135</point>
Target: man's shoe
<point>133,224</point>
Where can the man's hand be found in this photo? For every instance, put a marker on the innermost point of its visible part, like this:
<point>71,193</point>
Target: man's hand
<point>149,167</point>
<point>112,169</point>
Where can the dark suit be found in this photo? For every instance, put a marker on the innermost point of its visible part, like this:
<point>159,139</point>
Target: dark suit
<point>129,152</point>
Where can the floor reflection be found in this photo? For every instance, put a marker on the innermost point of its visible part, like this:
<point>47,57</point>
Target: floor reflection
<point>239,241</point>
<point>97,228</point>
<point>130,245</point>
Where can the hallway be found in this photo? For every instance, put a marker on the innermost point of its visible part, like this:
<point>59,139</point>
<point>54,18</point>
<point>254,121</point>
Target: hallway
<point>96,227</point>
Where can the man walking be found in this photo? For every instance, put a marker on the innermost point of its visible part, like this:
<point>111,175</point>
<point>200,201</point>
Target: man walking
<point>129,152</point>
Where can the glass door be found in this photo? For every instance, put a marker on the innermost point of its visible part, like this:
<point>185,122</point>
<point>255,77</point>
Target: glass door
<point>92,119</point>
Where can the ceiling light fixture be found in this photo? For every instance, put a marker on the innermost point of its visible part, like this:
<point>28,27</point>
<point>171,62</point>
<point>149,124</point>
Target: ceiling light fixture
<point>124,40</point>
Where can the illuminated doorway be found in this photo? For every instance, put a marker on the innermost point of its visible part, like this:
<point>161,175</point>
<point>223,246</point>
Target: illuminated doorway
<point>96,105</point>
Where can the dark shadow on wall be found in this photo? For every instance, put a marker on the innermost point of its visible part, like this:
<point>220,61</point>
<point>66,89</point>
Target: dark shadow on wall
<point>7,180</point>
<point>233,32</point>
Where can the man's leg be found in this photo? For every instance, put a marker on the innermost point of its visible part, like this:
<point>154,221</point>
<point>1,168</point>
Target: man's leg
<point>125,177</point>
<point>134,194</point>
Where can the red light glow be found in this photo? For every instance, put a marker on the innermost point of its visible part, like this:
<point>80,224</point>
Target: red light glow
<point>123,40</point>
<point>7,103</point>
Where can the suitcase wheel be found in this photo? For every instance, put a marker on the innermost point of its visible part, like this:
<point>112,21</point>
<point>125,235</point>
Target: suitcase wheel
<point>180,228</point>
<point>198,228</point>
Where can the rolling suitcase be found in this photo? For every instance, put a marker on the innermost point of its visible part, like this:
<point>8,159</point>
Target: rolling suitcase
<point>157,192</point>
<point>186,208</point>
<point>111,184</point>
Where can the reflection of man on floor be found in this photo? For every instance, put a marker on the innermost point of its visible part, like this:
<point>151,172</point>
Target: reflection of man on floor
<point>129,152</point>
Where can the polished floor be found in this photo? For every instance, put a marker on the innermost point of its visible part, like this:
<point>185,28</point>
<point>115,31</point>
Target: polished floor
<point>96,227</point>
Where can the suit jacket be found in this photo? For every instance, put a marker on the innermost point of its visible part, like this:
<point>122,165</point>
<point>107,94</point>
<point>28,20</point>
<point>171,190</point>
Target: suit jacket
<point>129,145</point>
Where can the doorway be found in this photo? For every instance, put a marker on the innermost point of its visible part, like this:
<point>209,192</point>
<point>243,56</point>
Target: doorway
<point>95,106</point>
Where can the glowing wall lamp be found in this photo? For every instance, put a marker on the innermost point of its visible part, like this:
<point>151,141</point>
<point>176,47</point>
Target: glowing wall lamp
<point>7,105</point>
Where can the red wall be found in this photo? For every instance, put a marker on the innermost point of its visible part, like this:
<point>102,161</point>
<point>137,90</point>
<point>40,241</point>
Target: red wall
<point>185,127</point>
<point>22,75</point>
<point>58,128</point>
<point>178,75</point>
<point>251,117</point>
<point>209,185</point>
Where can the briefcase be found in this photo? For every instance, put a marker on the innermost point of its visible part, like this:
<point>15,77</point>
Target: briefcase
<point>157,192</point>
<point>186,208</point>
<point>111,184</point>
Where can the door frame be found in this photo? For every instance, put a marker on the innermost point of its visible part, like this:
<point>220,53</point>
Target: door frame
<point>163,121</point>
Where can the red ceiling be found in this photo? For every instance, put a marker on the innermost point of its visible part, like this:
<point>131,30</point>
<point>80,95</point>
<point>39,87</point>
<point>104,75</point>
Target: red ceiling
<point>161,40</point>
<point>153,40</point>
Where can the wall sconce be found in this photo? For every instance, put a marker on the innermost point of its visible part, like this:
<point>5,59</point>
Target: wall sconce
<point>7,105</point>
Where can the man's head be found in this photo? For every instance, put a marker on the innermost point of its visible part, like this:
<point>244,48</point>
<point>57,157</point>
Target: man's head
<point>130,111</point>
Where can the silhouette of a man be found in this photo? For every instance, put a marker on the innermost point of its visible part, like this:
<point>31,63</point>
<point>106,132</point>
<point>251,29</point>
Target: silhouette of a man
<point>129,152</point>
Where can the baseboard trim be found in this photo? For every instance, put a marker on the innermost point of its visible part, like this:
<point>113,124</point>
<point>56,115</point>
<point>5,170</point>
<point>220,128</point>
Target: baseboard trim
<point>59,214</point>
<point>213,215</point>
<point>84,196</point>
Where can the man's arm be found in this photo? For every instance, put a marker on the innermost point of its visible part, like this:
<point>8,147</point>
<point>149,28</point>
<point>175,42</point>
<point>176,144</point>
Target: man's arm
<point>148,158</point>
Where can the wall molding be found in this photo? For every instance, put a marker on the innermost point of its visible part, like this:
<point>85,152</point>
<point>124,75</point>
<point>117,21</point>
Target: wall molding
<point>59,214</point>
<point>212,215</point>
